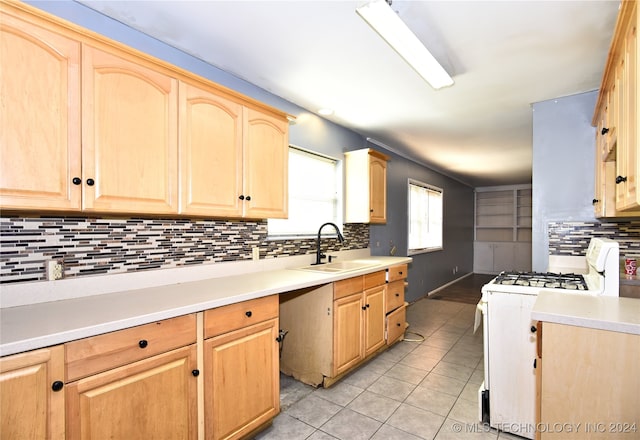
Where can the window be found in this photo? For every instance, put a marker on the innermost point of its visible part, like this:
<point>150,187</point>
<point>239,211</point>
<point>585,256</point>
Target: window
<point>314,195</point>
<point>425,217</point>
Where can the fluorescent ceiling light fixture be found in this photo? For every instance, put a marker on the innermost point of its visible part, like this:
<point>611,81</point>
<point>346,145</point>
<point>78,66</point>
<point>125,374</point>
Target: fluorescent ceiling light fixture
<point>379,15</point>
<point>325,111</point>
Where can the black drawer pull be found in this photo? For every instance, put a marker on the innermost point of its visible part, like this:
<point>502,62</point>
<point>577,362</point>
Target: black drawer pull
<point>143,343</point>
<point>398,324</point>
<point>248,314</point>
<point>397,294</point>
<point>57,385</point>
<point>195,373</point>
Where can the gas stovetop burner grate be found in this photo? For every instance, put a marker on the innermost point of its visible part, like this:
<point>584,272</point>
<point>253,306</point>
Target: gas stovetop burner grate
<point>568,281</point>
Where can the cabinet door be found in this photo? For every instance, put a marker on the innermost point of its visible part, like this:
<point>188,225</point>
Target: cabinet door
<point>627,157</point>
<point>482,257</point>
<point>210,153</point>
<point>129,134</point>
<point>374,315</point>
<point>590,376</point>
<point>40,117</point>
<point>265,164</point>
<point>347,333</point>
<point>30,408</point>
<point>377,190</point>
<point>241,380</point>
<point>503,256</point>
<point>149,399</point>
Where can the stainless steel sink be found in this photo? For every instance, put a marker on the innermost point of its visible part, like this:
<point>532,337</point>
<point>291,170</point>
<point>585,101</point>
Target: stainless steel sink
<point>340,266</point>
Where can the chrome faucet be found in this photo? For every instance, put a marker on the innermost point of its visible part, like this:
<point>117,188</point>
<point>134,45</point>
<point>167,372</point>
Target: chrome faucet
<point>319,254</point>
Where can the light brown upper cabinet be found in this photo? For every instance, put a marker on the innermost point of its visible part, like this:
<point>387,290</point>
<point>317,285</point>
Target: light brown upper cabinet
<point>39,116</point>
<point>96,126</point>
<point>233,159</point>
<point>265,162</point>
<point>365,186</point>
<point>616,121</point>
<point>210,153</point>
<point>129,134</point>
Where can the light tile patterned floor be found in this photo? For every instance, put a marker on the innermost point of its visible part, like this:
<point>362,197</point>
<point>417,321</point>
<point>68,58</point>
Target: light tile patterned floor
<point>415,390</point>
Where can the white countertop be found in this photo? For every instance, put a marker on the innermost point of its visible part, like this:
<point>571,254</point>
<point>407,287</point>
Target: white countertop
<point>599,312</point>
<point>31,326</point>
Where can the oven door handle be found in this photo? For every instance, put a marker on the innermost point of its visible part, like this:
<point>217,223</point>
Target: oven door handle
<point>481,310</point>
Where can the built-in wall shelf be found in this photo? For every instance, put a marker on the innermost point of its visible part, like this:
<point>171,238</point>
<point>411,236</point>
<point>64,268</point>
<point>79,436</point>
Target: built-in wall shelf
<point>502,228</point>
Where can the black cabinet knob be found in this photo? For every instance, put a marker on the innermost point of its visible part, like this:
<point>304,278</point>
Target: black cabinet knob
<point>594,201</point>
<point>57,385</point>
<point>195,373</point>
<point>620,179</point>
<point>535,364</point>
<point>241,197</point>
<point>143,343</point>
<point>533,329</point>
<point>398,324</point>
<point>76,181</point>
<point>604,131</point>
<point>397,294</point>
<point>248,198</point>
<point>248,314</point>
<point>90,182</point>
<point>400,273</point>
<point>364,307</point>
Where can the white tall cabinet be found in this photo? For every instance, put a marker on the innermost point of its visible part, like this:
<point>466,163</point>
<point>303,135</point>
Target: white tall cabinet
<point>502,229</point>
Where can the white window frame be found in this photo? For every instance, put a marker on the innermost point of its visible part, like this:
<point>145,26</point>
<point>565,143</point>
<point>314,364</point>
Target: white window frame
<point>313,230</point>
<point>433,193</point>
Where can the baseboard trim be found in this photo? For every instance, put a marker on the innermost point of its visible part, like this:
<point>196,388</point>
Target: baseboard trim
<point>444,286</point>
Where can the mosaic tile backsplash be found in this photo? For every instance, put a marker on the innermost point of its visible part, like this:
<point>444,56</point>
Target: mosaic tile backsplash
<point>90,246</point>
<point>572,238</point>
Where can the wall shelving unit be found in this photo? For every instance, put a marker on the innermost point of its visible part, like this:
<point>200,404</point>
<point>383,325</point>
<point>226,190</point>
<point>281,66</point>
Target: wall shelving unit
<point>502,229</point>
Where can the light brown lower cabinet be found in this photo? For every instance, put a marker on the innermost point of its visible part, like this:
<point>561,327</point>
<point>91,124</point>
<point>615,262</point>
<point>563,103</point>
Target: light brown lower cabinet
<point>155,398</point>
<point>241,381</point>
<point>32,395</point>
<point>588,384</point>
<point>212,375</point>
<point>241,368</point>
<point>333,328</point>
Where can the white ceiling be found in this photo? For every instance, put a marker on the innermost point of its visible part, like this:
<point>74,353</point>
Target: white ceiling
<point>503,56</point>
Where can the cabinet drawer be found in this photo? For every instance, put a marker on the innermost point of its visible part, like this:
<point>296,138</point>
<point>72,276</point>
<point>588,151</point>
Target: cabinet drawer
<point>397,272</point>
<point>104,352</point>
<point>394,295</point>
<point>235,316</point>
<point>348,287</point>
<point>396,324</point>
<point>374,279</point>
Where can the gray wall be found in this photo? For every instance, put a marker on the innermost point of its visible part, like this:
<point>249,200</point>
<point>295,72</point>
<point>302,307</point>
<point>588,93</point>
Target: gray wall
<point>428,271</point>
<point>563,167</point>
<point>434,269</point>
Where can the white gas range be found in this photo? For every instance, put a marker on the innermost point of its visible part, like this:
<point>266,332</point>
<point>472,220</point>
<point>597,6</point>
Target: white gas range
<point>507,396</point>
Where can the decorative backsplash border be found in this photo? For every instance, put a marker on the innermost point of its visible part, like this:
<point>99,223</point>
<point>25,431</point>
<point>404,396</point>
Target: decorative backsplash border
<point>572,238</point>
<point>90,246</point>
